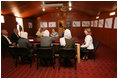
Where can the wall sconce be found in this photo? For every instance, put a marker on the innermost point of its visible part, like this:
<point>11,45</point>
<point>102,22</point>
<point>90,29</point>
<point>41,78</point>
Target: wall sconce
<point>43,9</point>
<point>70,8</point>
<point>112,13</point>
<point>97,17</point>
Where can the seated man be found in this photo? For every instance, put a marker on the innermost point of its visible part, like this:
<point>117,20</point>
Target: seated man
<point>5,40</point>
<point>15,37</point>
<point>23,42</point>
<point>6,43</point>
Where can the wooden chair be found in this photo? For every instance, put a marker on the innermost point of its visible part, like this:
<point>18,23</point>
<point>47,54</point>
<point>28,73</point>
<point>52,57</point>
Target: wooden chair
<point>23,53</point>
<point>96,45</point>
<point>69,53</point>
<point>46,53</point>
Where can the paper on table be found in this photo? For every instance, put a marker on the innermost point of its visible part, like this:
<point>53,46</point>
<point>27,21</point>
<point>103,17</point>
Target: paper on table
<point>31,40</point>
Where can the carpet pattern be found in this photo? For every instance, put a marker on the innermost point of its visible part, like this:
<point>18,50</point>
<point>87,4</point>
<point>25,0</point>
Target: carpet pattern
<point>105,66</point>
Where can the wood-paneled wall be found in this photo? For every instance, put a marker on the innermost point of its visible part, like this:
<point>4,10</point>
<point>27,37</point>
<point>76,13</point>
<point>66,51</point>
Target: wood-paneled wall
<point>70,16</point>
<point>108,36</point>
<point>10,23</point>
<point>31,31</point>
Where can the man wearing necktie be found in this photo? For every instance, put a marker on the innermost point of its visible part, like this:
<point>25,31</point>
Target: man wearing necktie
<point>6,43</point>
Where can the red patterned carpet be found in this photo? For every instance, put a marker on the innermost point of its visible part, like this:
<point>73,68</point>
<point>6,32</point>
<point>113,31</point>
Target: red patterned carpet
<point>105,66</point>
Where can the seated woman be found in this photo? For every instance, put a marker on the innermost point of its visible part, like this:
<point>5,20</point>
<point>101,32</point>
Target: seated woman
<point>39,32</point>
<point>54,34</point>
<point>23,42</point>
<point>67,42</point>
<point>88,45</point>
<point>45,40</point>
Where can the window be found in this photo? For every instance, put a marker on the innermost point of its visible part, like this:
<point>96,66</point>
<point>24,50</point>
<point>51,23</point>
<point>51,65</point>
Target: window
<point>20,22</point>
<point>2,19</point>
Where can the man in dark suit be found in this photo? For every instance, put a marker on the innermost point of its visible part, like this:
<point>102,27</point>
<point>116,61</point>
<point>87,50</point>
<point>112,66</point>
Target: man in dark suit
<point>6,42</point>
<point>15,37</point>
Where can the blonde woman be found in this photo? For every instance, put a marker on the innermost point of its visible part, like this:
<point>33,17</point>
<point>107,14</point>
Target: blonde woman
<point>88,44</point>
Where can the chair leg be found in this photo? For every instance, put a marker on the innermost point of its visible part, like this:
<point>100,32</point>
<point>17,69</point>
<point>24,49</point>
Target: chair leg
<point>37,63</point>
<point>94,57</point>
<point>53,62</point>
<point>59,60</point>
<point>34,58</point>
<point>4,53</point>
<point>75,64</point>
<point>16,61</point>
<point>31,63</point>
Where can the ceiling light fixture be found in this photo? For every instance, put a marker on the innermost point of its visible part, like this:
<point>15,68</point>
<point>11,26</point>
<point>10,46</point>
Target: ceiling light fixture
<point>42,6</point>
<point>70,5</point>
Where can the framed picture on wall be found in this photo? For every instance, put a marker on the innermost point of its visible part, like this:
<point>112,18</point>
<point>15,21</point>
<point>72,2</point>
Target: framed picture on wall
<point>52,24</point>
<point>95,23</point>
<point>68,24</point>
<point>101,22</point>
<point>85,23</point>
<point>29,24</point>
<point>43,24</point>
<point>76,23</point>
<point>108,22</point>
<point>115,23</point>
<point>92,24</point>
<point>61,23</point>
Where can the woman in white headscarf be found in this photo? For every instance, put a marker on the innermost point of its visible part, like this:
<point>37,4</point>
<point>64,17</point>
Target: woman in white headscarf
<point>45,41</point>
<point>23,42</point>
<point>67,41</point>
